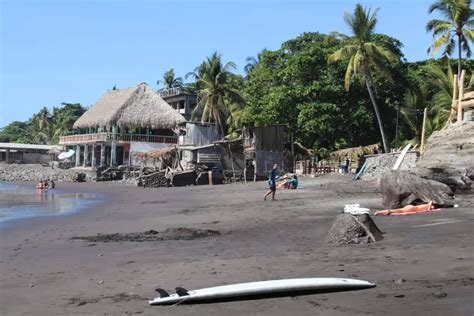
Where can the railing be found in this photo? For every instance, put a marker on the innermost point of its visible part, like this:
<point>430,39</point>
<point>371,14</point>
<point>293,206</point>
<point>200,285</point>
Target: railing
<point>84,138</point>
<point>126,138</point>
<point>170,92</point>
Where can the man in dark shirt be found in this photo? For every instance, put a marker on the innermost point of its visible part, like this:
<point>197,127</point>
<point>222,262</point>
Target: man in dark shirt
<point>272,183</point>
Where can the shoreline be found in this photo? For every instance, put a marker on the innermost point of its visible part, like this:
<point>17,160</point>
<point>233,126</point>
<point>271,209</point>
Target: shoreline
<point>44,271</point>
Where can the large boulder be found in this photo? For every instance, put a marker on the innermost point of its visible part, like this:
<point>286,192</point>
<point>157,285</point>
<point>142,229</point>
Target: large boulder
<point>400,188</point>
<point>351,229</point>
<point>449,156</point>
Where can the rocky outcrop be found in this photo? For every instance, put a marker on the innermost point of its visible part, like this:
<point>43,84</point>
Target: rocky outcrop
<point>401,188</point>
<point>449,156</point>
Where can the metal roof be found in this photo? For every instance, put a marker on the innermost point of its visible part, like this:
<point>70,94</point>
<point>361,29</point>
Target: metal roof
<point>29,146</point>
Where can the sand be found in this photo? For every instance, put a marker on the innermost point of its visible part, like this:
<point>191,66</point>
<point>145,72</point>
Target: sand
<point>424,265</point>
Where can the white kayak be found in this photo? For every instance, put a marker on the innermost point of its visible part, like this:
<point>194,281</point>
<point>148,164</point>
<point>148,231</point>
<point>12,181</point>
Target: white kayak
<point>258,290</point>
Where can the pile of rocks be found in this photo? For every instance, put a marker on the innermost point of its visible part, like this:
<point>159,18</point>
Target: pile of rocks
<point>154,180</point>
<point>378,165</point>
<point>36,172</point>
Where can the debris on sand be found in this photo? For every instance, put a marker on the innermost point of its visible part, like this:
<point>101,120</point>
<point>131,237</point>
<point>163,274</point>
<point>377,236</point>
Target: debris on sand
<point>350,229</point>
<point>180,233</point>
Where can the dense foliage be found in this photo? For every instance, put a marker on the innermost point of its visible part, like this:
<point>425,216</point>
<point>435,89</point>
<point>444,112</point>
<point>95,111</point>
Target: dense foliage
<point>44,127</point>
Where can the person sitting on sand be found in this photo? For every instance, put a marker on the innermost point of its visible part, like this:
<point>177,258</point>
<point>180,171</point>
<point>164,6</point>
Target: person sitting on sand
<point>272,183</point>
<point>292,183</point>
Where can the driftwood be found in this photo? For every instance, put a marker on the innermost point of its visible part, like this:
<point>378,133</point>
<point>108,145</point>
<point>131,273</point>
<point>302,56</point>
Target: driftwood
<point>401,188</point>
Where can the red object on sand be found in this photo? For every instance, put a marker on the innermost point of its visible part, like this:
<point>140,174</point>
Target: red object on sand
<point>409,209</point>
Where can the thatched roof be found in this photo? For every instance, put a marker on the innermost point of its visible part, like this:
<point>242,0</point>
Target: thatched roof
<point>163,153</point>
<point>356,151</point>
<point>138,106</point>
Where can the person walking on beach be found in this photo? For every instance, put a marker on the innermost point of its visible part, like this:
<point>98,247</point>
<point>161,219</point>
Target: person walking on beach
<point>272,183</point>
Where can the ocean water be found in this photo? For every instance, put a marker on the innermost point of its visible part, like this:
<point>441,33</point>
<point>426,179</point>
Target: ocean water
<point>20,201</point>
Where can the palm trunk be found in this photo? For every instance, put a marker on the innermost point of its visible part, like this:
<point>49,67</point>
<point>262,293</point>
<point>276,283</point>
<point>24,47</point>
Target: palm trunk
<point>459,55</point>
<point>377,113</point>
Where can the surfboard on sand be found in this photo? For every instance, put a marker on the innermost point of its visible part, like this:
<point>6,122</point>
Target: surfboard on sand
<point>259,290</point>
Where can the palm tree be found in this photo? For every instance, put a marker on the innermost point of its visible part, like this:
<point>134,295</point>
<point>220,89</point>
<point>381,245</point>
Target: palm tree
<point>215,95</point>
<point>457,26</point>
<point>170,81</point>
<point>253,61</point>
<point>364,55</point>
<point>439,84</point>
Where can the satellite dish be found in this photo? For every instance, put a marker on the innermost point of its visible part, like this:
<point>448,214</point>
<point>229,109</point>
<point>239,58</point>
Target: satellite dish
<point>66,154</point>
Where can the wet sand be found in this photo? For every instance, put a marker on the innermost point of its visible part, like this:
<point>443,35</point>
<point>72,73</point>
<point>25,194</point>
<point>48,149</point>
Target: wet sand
<point>43,271</point>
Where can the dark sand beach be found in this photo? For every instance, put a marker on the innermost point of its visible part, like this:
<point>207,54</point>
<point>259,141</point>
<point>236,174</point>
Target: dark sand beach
<point>43,271</point>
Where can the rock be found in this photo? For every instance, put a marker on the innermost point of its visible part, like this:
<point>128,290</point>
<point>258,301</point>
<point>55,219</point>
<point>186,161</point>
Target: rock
<point>401,188</point>
<point>440,294</point>
<point>399,281</point>
<point>349,229</point>
<point>448,157</point>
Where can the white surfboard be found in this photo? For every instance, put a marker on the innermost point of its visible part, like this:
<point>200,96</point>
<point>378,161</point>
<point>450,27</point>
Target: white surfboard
<point>401,157</point>
<point>258,290</point>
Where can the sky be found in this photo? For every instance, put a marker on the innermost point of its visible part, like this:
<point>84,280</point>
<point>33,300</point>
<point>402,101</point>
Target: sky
<point>54,51</point>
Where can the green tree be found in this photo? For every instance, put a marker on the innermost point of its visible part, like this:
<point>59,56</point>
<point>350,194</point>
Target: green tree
<point>170,81</point>
<point>214,91</point>
<point>457,26</point>
<point>15,132</point>
<point>365,56</point>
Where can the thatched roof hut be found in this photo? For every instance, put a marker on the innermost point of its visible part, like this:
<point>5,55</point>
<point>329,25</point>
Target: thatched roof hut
<point>134,107</point>
<point>356,151</point>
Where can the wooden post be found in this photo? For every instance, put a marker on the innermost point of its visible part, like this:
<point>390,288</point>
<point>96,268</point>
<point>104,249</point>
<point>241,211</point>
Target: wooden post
<point>461,94</point>
<point>454,104</point>
<point>231,161</point>
<point>209,175</point>
<point>423,131</point>
<point>255,168</point>
<point>7,156</point>
<point>245,171</point>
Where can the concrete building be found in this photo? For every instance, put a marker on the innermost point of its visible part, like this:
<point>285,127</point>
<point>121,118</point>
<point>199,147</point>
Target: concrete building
<point>28,153</point>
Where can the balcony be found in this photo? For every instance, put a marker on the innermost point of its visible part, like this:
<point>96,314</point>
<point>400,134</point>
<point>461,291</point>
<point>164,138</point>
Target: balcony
<point>171,92</point>
<point>120,138</point>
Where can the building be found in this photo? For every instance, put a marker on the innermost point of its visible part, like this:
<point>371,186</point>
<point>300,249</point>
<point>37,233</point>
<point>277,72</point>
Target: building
<point>198,134</point>
<point>180,100</point>
<point>121,122</point>
<point>263,147</point>
<point>28,153</point>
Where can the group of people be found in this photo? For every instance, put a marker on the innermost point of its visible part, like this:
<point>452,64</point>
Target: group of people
<point>46,184</point>
<point>289,184</point>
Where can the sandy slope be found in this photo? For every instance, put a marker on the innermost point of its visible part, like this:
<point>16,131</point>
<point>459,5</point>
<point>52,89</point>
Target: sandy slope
<point>433,252</point>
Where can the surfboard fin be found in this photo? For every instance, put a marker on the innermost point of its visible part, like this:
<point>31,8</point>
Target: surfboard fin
<point>181,292</point>
<point>162,292</point>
